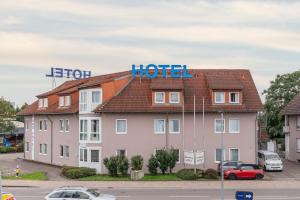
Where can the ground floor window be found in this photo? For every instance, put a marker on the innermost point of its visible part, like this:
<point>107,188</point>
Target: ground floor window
<point>121,152</point>
<point>83,155</point>
<point>218,155</point>
<point>64,151</point>
<point>27,146</point>
<point>43,149</point>
<point>298,145</point>
<point>234,154</point>
<point>95,155</point>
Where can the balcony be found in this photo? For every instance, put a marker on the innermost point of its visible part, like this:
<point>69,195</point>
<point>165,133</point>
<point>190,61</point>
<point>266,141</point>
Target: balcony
<point>286,129</point>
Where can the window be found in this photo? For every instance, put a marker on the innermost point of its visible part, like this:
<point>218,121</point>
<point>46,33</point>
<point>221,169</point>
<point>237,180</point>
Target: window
<point>159,126</point>
<point>27,146</point>
<point>83,155</point>
<point>121,152</point>
<point>121,126</point>
<point>67,194</point>
<point>67,125</point>
<point>219,125</point>
<point>61,125</point>
<point>80,195</point>
<point>247,167</point>
<point>64,101</point>
<point>174,125</point>
<point>64,151</point>
<point>219,97</point>
<point>94,155</point>
<point>298,145</point>
<point>56,195</point>
<point>298,123</point>
<point>218,155</point>
<point>234,154</point>
<point>83,101</point>
<point>95,136</point>
<point>27,124</point>
<point>174,97</point>
<point>43,149</point>
<point>40,125</point>
<point>234,125</point>
<point>45,125</point>
<point>159,97</point>
<point>83,129</point>
<point>61,101</point>
<point>45,102</point>
<point>40,103</point>
<point>95,96</point>
<point>234,97</point>
<point>177,153</point>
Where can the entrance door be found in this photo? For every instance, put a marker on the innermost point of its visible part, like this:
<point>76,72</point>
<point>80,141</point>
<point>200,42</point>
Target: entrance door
<point>90,157</point>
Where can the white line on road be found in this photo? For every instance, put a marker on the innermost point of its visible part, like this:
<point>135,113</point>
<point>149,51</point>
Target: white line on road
<point>188,196</point>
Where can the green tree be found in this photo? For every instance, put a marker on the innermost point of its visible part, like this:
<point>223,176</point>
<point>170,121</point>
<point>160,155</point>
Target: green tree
<point>282,90</point>
<point>163,158</point>
<point>7,113</point>
<point>21,118</point>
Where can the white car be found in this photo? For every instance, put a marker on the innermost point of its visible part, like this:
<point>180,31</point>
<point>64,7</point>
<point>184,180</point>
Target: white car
<point>270,161</point>
<point>77,193</point>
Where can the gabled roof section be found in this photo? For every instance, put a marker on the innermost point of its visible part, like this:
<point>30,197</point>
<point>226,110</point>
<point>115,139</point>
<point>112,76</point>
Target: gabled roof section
<point>293,107</point>
<point>223,80</point>
<point>137,96</point>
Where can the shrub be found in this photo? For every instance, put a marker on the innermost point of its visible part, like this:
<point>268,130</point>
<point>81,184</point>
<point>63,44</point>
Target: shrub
<point>211,174</point>
<point>172,159</point>
<point>123,165</point>
<point>78,172</point>
<point>152,165</point>
<point>163,158</point>
<point>7,149</point>
<point>137,162</point>
<point>20,147</point>
<point>111,165</point>
<point>186,174</point>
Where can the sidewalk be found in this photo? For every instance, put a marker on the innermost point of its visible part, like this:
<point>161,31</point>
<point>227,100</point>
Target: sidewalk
<point>291,184</point>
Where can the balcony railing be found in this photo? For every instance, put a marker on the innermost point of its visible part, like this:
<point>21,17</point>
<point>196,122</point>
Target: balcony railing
<point>90,137</point>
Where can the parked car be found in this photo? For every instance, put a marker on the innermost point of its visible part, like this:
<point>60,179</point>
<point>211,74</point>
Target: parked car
<point>269,161</point>
<point>244,171</point>
<point>228,165</point>
<point>7,196</point>
<point>77,193</point>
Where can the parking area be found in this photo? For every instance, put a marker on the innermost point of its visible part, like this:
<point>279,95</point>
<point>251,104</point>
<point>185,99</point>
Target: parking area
<point>291,171</point>
<point>8,163</point>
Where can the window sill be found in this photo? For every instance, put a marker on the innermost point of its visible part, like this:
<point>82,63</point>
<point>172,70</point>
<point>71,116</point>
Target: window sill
<point>174,133</point>
<point>121,133</point>
<point>159,133</point>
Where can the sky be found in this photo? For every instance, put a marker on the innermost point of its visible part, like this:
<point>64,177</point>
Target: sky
<point>106,36</point>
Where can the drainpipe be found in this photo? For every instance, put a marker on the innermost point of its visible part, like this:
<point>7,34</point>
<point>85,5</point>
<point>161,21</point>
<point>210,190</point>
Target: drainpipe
<point>167,131</point>
<point>256,138</point>
<point>51,133</point>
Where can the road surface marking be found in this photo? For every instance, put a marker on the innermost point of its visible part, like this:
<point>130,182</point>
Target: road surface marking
<point>188,196</point>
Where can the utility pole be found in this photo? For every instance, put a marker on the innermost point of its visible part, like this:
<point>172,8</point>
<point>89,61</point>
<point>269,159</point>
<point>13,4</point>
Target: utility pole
<point>222,157</point>
<point>194,151</point>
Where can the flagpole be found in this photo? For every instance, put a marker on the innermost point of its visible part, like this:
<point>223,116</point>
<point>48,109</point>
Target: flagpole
<point>195,134</point>
<point>183,145</point>
<point>203,143</point>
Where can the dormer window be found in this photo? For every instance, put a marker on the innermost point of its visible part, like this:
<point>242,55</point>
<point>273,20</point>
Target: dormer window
<point>159,97</point>
<point>234,97</point>
<point>43,103</point>
<point>219,97</point>
<point>64,101</point>
<point>174,97</point>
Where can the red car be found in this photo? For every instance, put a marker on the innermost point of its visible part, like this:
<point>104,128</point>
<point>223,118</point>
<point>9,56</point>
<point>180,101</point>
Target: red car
<point>244,171</point>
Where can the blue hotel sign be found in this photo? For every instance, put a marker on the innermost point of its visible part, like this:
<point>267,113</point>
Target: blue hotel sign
<point>68,73</point>
<point>151,71</point>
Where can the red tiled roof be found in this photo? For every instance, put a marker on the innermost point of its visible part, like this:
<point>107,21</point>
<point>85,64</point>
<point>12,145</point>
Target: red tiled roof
<point>137,96</point>
<point>293,107</point>
<point>221,81</point>
<point>166,83</point>
<point>69,87</point>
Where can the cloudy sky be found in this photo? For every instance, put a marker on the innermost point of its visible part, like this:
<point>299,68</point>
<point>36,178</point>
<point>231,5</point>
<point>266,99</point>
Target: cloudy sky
<point>110,35</point>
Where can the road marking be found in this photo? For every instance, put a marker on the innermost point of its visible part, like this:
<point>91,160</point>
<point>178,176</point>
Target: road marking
<point>122,196</point>
<point>188,196</point>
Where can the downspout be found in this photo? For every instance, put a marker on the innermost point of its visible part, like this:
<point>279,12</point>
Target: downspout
<point>256,138</point>
<point>167,131</point>
<point>51,134</point>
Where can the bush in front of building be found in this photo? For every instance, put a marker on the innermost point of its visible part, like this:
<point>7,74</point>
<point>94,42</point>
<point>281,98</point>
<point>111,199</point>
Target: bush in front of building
<point>116,165</point>
<point>7,149</point>
<point>163,158</point>
<point>123,165</point>
<point>211,174</point>
<point>187,174</point>
<point>172,159</point>
<point>137,162</point>
<point>78,172</point>
<point>152,165</point>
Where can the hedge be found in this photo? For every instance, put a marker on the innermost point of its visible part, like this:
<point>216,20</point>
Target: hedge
<point>211,174</point>
<point>78,172</point>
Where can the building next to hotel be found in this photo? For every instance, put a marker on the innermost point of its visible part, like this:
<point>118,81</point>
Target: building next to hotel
<point>83,121</point>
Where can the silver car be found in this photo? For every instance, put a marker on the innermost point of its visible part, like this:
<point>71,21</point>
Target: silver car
<point>77,193</point>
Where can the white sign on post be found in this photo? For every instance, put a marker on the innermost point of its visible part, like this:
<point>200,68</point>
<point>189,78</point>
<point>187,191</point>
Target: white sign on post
<point>199,157</point>
<point>189,157</point>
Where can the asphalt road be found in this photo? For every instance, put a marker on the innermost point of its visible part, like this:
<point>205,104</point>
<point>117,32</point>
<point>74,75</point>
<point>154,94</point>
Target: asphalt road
<point>166,194</point>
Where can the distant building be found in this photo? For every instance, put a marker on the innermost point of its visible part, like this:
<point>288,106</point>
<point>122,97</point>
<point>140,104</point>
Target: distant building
<point>13,137</point>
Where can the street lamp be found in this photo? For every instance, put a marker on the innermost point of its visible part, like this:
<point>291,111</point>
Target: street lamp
<point>222,155</point>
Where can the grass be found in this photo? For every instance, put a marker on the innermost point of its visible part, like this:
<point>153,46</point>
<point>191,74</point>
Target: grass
<point>147,177</point>
<point>29,176</point>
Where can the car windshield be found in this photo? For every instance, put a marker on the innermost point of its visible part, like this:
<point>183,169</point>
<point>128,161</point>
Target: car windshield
<point>93,192</point>
<point>272,157</point>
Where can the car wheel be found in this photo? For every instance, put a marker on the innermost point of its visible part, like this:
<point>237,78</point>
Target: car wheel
<point>259,176</point>
<point>265,169</point>
<point>231,176</point>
